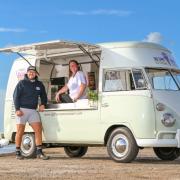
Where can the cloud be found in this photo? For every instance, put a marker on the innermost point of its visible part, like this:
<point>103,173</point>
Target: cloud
<point>15,30</point>
<point>111,12</point>
<point>154,37</point>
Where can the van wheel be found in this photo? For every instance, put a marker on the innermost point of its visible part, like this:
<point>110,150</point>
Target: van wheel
<point>121,145</point>
<point>167,153</point>
<point>75,151</point>
<point>28,146</point>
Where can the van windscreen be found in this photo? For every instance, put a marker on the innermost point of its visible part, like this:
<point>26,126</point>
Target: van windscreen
<point>163,79</point>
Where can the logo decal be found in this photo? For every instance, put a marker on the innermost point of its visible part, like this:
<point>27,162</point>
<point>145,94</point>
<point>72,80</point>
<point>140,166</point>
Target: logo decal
<point>38,88</point>
<point>20,74</point>
<point>164,59</point>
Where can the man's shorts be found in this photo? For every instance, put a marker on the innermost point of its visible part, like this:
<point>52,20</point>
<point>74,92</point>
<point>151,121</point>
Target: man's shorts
<point>30,116</point>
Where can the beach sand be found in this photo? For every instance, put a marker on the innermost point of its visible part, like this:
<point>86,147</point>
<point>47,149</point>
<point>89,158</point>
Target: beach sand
<point>96,164</point>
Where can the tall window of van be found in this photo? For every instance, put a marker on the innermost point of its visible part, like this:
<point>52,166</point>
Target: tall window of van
<point>117,80</point>
<point>139,80</point>
<point>123,80</point>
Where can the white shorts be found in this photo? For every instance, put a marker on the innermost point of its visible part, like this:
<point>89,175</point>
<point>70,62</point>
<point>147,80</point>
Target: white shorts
<point>30,116</point>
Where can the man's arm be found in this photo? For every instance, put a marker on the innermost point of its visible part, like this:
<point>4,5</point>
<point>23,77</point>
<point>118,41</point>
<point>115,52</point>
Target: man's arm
<point>16,99</point>
<point>82,85</point>
<point>43,97</point>
<point>16,96</point>
<point>81,91</point>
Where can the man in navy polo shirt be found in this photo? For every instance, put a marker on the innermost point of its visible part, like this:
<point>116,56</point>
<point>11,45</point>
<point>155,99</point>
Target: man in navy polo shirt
<point>26,95</point>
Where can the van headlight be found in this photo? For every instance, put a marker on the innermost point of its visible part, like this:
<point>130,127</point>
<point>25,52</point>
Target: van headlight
<point>168,120</point>
<point>160,107</point>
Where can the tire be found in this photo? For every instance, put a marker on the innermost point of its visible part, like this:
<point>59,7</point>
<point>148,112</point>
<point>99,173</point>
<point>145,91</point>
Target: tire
<point>75,151</point>
<point>167,153</point>
<point>121,145</point>
<point>28,146</point>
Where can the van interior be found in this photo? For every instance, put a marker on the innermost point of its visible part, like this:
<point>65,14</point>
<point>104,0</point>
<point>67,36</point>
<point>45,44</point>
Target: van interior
<point>53,66</point>
<point>52,61</point>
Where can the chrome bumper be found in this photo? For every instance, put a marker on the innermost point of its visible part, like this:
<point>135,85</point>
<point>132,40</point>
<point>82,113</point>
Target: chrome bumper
<point>161,142</point>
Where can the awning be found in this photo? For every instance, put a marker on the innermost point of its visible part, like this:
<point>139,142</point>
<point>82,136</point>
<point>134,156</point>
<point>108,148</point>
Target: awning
<point>52,48</point>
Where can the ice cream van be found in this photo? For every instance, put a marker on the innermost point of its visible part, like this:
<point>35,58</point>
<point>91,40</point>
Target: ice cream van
<point>133,98</point>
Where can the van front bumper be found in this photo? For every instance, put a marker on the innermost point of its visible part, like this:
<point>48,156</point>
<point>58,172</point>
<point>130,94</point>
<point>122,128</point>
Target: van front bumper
<point>158,142</point>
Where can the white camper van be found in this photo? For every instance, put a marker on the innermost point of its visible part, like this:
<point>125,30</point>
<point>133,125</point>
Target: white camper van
<point>138,90</point>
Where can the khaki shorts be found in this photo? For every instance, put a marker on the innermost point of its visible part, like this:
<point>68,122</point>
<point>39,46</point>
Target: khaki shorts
<point>30,116</point>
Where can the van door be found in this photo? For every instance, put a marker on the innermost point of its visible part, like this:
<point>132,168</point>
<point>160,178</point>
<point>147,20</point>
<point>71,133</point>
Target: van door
<point>127,101</point>
<point>166,95</point>
<point>72,126</point>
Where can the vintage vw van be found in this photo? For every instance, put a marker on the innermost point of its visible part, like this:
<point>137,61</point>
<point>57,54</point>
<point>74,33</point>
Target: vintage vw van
<point>133,102</point>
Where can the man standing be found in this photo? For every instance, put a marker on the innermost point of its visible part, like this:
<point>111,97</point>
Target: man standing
<point>26,95</point>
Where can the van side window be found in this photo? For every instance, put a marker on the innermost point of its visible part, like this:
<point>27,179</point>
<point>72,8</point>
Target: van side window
<point>139,80</point>
<point>118,80</point>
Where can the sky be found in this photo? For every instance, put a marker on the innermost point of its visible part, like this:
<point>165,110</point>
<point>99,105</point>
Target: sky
<point>94,21</point>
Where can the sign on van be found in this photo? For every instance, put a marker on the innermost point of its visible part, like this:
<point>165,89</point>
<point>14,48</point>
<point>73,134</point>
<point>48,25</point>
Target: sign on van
<point>164,59</point>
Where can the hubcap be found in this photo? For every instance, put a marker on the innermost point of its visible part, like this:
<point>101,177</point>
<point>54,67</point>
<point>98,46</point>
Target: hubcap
<point>120,145</point>
<point>27,143</point>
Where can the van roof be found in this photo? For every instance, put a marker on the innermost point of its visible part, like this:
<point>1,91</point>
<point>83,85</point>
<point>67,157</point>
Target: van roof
<point>132,44</point>
<point>71,44</point>
<point>57,44</point>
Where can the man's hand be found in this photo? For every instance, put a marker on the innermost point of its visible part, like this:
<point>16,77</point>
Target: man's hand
<point>57,97</point>
<point>19,113</point>
<point>41,108</point>
<point>75,99</point>
<point>61,91</point>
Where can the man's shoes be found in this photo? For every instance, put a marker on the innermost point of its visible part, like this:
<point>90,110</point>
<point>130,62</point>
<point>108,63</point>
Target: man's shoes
<point>18,155</point>
<point>42,156</point>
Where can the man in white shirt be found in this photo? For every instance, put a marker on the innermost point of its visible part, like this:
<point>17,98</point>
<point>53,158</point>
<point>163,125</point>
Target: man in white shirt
<point>76,85</point>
